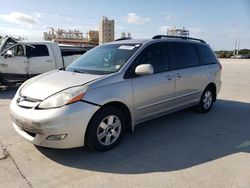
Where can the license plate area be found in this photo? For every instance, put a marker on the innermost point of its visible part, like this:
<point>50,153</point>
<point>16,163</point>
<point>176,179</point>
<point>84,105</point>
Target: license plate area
<point>26,126</point>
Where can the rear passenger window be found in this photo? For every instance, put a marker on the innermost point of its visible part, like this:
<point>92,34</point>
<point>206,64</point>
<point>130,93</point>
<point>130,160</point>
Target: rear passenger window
<point>156,55</point>
<point>185,55</point>
<point>206,54</point>
<point>38,51</point>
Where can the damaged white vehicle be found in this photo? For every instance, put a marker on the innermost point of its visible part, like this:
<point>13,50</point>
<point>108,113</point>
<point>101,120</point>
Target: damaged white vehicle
<point>22,60</point>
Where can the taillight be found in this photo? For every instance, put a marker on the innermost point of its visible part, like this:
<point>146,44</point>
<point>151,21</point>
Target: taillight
<point>220,66</point>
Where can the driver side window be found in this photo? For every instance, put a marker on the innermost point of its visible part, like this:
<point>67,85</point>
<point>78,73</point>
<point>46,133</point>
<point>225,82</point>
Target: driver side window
<point>17,50</point>
<point>156,55</point>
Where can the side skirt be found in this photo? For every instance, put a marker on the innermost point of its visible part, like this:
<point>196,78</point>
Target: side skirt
<point>167,112</point>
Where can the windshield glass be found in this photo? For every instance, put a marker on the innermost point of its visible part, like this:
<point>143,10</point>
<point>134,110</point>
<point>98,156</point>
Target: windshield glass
<point>1,43</point>
<point>1,40</point>
<point>7,43</point>
<point>104,59</point>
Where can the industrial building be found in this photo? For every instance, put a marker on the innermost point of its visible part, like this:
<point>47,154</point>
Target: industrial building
<point>105,34</point>
<point>123,35</point>
<point>106,30</point>
<point>93,37</point>
<point>72,37</point>
<point>178,32</point>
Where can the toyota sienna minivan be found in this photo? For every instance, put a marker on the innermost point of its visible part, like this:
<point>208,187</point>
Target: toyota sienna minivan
<point>113,87</point>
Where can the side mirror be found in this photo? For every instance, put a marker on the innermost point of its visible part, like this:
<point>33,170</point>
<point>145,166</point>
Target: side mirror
<point>9,53</point>
<point>144,69</point>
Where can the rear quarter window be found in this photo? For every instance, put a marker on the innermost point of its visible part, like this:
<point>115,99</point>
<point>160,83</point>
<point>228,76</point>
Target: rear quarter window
<point>207,55</point>
<point>185,55</point>
<point>38,51</point>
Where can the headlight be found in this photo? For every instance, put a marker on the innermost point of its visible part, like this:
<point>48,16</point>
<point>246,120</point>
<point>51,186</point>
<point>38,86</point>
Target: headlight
<point>64,97</point>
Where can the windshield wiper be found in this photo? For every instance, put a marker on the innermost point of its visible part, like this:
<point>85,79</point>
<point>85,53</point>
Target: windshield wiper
<point>78,71</point>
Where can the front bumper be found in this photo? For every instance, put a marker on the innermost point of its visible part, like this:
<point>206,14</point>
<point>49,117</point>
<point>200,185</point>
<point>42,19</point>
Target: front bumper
<point>218,86</point>
<point>37,125</point>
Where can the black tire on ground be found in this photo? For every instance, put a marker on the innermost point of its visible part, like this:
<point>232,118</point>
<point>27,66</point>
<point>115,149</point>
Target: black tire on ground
<point>94,129</point>
<point>207,100</point>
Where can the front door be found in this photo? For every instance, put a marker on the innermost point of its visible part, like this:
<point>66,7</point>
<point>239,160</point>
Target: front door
<point>153,93</point>
<point>13,64</point>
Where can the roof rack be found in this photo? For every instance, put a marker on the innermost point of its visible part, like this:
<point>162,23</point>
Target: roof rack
<point>178,37</point>
<point>123,38</point>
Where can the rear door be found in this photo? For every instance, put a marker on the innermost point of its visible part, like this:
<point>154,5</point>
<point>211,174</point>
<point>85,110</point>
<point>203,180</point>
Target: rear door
<point>40,59</point>
<point>153,93</point>
<point>191,76</point>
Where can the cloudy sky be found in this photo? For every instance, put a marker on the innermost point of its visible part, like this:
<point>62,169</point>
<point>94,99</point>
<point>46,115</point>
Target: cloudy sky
<point>218,22</point>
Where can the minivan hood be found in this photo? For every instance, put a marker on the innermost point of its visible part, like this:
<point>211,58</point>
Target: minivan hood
<point>47,84</point>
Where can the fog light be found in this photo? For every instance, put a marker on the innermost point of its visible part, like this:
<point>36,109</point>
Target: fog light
<point>56,137</point>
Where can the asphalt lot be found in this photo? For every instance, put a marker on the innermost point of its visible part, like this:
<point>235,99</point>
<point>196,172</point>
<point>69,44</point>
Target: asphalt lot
<point>184,149</point>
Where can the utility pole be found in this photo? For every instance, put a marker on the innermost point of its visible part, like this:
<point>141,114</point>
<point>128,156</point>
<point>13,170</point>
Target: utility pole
<point>238,46</point>
<point>235,46</point>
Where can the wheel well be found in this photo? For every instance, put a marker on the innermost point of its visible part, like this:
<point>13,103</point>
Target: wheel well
<point>125,111</point>
<point>213,87</point>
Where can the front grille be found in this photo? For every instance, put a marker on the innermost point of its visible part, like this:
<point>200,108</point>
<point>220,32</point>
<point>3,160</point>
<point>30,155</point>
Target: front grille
<point>27,102</point>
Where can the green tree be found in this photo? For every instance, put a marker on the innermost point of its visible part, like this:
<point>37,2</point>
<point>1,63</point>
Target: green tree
<point>244,51</point>
<point>224,54</point>
<point>229,54</point>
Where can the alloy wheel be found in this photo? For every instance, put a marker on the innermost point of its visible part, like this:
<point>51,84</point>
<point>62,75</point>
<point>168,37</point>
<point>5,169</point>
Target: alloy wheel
<point>207,99</point>
<point>109,130</point>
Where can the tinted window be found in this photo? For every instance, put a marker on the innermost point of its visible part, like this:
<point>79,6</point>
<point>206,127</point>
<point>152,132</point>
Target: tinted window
<point>104,59</point>
<point>206,55</point>
<point>156,55</point>
<point>38,51</point>
<point>185,55</point>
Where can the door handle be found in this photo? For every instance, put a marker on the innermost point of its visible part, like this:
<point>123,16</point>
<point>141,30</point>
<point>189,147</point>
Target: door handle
<point>49,61</point>
<point>178,75</point>
<point>169,77</point>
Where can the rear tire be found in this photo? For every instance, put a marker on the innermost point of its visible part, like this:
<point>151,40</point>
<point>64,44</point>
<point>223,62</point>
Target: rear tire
<point>207,100</point>
<point>105,129</point>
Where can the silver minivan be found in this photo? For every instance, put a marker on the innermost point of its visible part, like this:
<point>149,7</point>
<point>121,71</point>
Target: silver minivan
<point>113,87</point>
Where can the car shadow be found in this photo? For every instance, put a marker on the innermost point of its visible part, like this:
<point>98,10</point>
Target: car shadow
<point>172,142</point>
<point>7,92</point>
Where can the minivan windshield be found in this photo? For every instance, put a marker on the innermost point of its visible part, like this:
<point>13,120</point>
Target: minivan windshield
<point>105,59</point>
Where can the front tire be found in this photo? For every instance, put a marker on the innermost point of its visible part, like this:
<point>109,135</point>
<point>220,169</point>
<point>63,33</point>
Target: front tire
<point>106,129</point>
<point>207,100</point>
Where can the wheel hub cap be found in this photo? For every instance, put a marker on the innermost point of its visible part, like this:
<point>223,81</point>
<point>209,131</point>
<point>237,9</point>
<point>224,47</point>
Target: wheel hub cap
<point>207,99</point>
<point>109,130</point>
